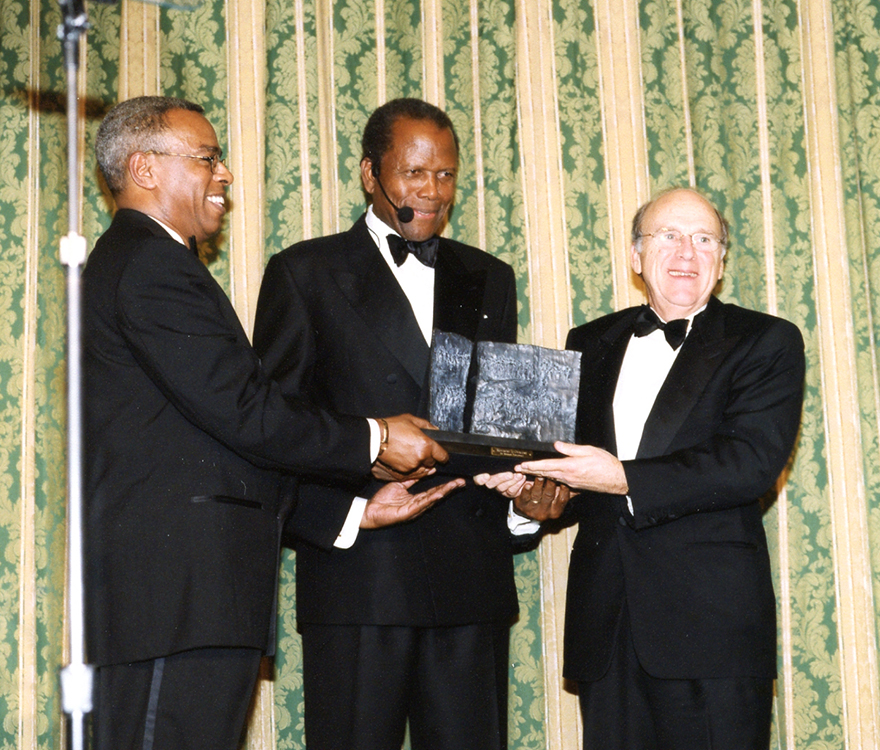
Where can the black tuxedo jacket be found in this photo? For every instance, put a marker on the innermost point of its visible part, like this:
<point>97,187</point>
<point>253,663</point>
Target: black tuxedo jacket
<point>334,326</point>
<point>183,434</point>
<point>692,562</point>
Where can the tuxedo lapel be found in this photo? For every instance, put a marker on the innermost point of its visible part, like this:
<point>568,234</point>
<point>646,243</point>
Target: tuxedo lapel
<point>458,294</point>
<point>701,354</point>
<point>126,220</point>
<point>374,294</point>
<point>596,398</point>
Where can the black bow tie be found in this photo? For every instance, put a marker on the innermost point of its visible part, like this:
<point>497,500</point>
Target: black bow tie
<point>425,251</point>
<point>193,246</point>
<point>647,322</point>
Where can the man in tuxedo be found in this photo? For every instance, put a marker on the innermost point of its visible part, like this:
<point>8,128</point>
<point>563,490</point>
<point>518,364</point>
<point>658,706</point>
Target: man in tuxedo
<point>410,622</point>
<point>670,625</point>
<point>185,440</point>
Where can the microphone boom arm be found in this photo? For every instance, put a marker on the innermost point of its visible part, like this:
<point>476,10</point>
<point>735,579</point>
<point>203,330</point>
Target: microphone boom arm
<point>404,214</point>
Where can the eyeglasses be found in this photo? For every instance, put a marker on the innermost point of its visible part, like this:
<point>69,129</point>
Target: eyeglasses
<point>213,161</point>
<point>669,239</point>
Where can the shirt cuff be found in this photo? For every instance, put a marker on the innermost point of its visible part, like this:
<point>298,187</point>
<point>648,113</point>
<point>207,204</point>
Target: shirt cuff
<point>375,438</point>
<point>352,525</point>
<point>519,525</point>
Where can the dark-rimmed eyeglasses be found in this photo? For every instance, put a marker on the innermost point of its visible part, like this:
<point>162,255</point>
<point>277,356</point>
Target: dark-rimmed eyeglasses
<point>213,161</point>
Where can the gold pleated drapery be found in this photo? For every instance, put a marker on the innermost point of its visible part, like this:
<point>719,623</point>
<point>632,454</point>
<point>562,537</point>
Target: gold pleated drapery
<point>570,114</point>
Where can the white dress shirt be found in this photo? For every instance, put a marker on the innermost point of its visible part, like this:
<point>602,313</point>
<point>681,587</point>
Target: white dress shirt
<point>415,278</point>
<point>417,282</point>
<point>646,364</point>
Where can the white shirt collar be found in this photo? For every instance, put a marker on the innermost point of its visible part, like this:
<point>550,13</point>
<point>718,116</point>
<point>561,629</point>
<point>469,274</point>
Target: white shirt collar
<point>689,318</point>
<point>170,231</point>
<point>379,231</point>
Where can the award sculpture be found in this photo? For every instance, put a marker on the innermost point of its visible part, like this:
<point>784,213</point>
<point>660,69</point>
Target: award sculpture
<point>498,404</point>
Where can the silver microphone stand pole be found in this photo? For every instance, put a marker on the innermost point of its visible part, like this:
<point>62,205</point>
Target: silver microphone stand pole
<point>76,677</point>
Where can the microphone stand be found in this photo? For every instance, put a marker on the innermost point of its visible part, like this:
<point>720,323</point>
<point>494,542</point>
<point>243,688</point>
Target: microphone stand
<point>77,676</point>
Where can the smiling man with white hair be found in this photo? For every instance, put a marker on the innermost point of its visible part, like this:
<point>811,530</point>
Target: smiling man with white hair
<point>688,411</point>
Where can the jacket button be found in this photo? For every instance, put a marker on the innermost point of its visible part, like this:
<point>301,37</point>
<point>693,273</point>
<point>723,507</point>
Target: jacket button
<point>621,520</point>
<point>392,378</point>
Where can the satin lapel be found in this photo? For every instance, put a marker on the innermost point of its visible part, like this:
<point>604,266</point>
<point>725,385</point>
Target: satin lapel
<point>374,294</point>
<point>702,353</point>
<point>126,219</point>
<point>596,399</point>
<point>458,294</point>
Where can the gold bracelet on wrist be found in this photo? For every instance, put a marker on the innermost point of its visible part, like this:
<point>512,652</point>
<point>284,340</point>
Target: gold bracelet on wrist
<point>383,437</point>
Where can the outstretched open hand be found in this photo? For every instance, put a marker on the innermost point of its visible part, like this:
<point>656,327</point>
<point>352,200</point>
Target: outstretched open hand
<point>394,503</point>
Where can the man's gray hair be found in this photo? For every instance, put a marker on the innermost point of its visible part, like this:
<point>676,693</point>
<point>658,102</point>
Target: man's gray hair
<point>138,124</point>
<point>640,216</point>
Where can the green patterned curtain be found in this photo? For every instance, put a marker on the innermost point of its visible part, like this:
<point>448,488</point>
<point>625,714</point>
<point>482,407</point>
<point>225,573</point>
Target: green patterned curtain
<point>725,102</point>
<point>580,125</point>
<point>32,320</point>
<point>858,86</point>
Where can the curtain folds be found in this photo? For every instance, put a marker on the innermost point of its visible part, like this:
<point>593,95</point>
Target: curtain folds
<point>570,114</point>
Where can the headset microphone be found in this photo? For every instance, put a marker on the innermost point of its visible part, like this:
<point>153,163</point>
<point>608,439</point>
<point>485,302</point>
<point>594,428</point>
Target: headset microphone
<point>404,214</point>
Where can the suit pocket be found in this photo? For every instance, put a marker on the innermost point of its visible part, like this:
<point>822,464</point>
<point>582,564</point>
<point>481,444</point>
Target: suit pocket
<point>227,500</point>
<point>736,544</point>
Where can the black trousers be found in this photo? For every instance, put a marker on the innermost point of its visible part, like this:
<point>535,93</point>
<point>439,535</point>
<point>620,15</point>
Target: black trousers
<point>195,700</point>
<point>362,684</point>
<point>628,709</point>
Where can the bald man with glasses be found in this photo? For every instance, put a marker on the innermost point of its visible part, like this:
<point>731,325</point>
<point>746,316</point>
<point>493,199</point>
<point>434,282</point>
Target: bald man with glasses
<point>688,412</point>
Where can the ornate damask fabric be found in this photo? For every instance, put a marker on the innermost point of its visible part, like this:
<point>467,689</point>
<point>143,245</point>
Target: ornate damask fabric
<point>724,110</point>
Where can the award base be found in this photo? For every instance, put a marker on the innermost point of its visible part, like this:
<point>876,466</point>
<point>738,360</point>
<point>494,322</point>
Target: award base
<point>471,454</point>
